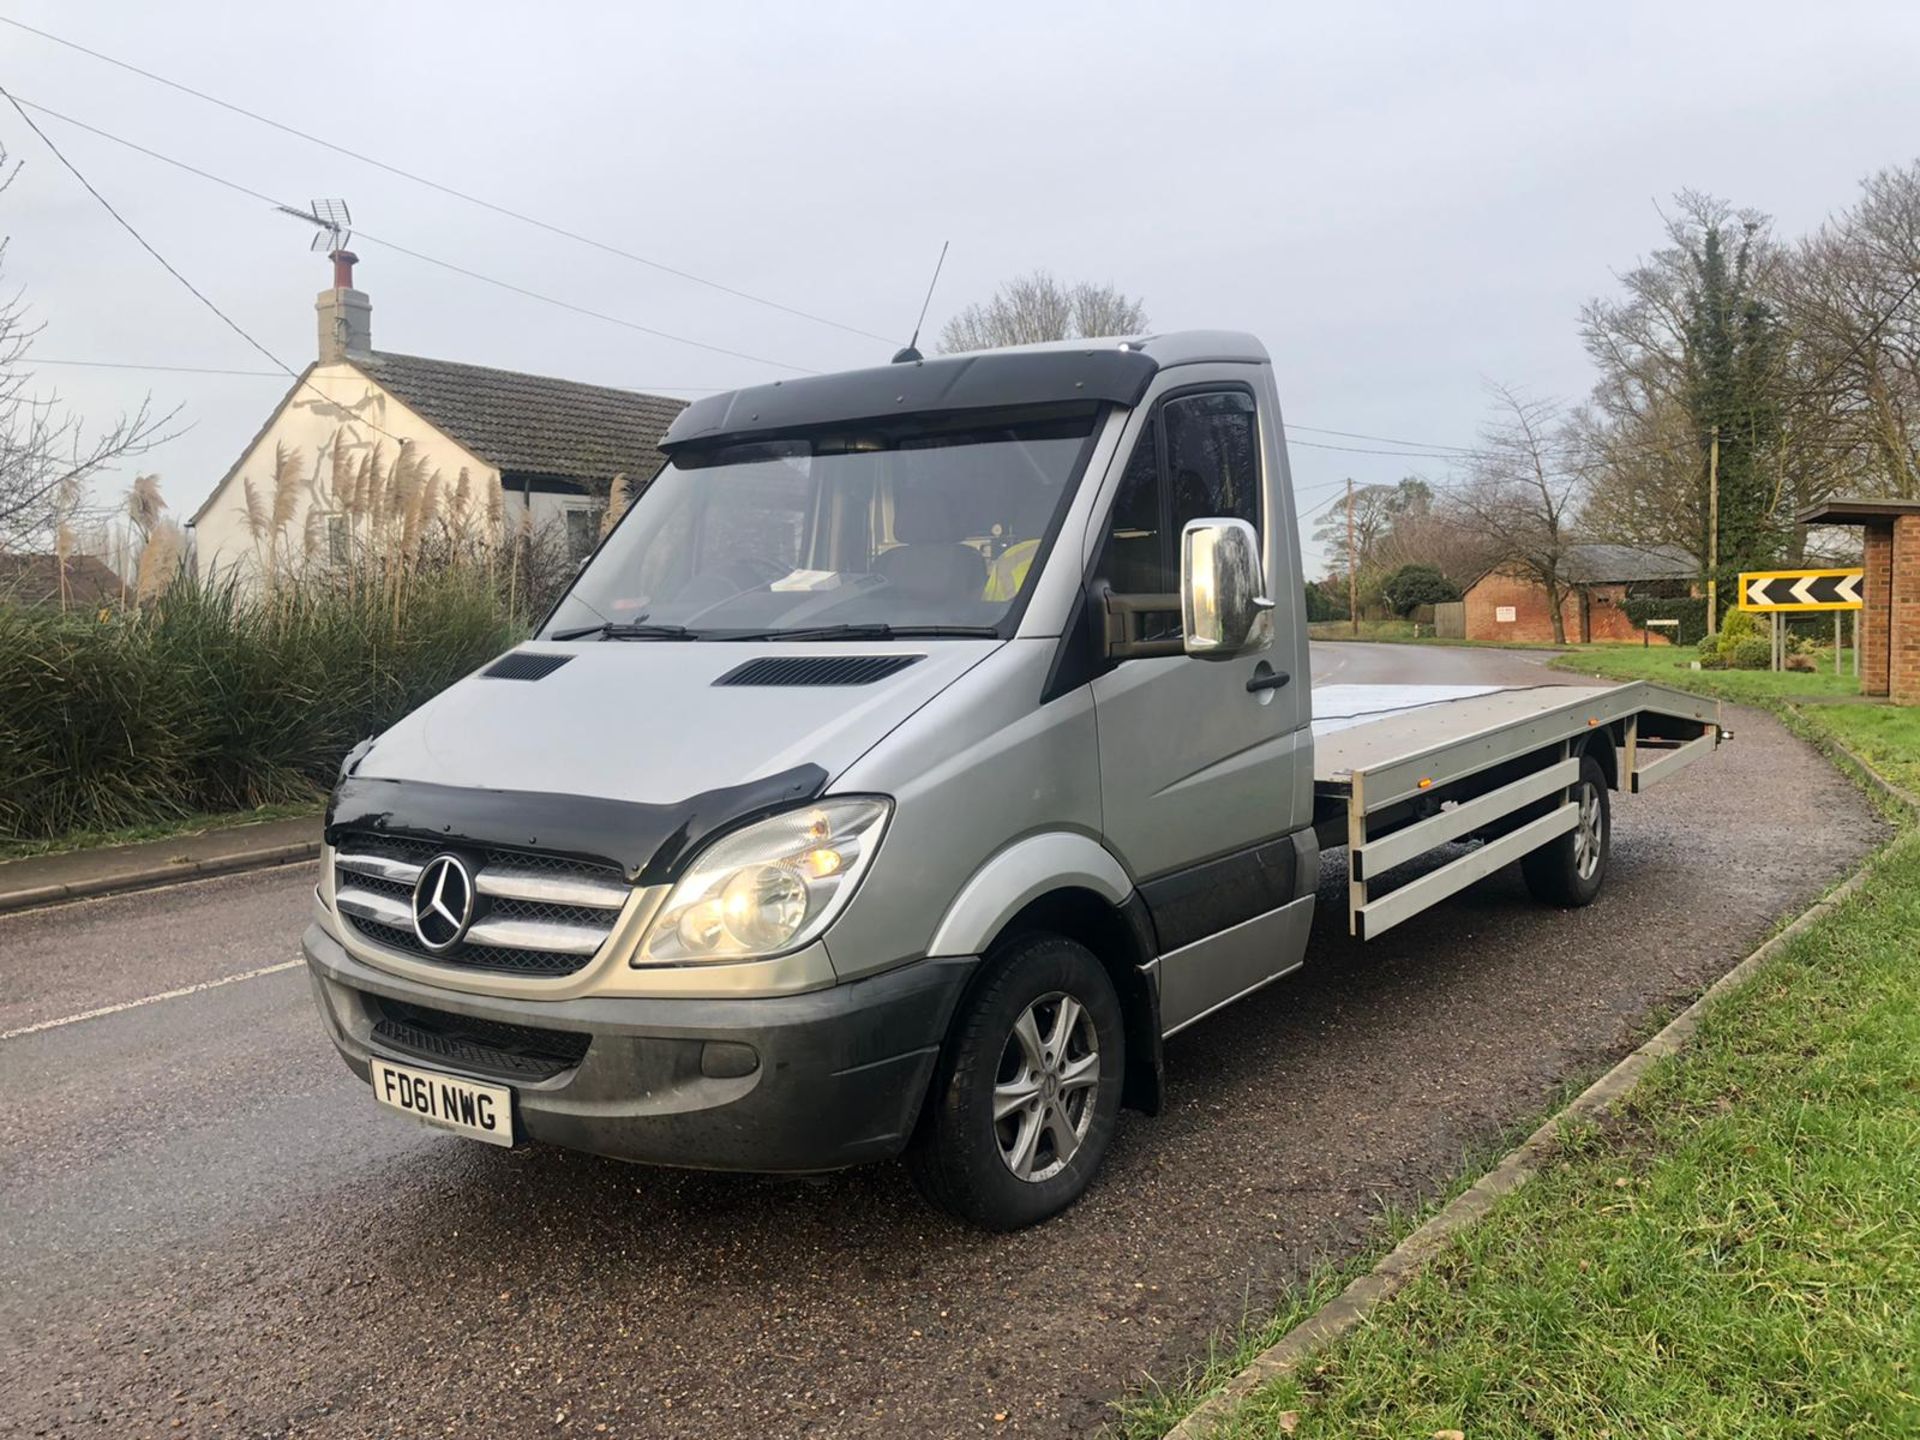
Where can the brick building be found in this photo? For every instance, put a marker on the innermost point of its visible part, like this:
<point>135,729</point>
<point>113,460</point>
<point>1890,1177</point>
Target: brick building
<point>1890,616</point>
<point>1509,603</point>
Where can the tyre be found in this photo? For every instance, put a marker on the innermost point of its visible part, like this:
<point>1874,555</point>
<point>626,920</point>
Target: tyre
<point>1027,1091</point>
<point>1570,870</point>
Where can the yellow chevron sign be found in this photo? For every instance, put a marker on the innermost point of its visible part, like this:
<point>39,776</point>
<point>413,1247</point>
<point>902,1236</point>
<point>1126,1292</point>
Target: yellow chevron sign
<point>1790,590</point>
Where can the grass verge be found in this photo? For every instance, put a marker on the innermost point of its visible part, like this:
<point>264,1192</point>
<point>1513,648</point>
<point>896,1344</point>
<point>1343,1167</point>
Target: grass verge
<point>1738,1256</point>
<point>197,824</point>
<point>1670,667</point>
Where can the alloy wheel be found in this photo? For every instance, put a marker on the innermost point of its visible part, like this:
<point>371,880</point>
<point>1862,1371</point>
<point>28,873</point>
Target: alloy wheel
<point>1043,1093</point>
<point>1587,834</point>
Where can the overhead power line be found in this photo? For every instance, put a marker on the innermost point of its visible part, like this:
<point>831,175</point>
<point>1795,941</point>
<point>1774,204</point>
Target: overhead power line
<point>39,360</point>
<point>165,264</point>
<point>1383,439</point>
<point>361,234</point>
<point>1357,450</point>
<point>444,189</point>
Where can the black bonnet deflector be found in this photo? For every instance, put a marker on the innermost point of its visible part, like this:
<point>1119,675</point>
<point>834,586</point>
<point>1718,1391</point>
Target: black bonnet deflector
<point>648,842</point>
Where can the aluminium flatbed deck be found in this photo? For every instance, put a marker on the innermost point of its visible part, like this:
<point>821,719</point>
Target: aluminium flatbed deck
<point>1400,770</point>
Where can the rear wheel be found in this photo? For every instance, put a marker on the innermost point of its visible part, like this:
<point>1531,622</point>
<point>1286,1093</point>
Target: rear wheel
<point>1570,870</point>
<point>1027,1093</point>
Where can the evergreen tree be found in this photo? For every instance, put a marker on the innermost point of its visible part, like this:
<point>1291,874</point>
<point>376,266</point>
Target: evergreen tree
<point>1732,340</point>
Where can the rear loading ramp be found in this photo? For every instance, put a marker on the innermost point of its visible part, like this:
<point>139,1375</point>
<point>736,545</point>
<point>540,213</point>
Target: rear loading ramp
<point>1400,771</point>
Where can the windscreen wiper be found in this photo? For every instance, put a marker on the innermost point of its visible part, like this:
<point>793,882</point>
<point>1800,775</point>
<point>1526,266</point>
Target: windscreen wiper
<point>875,631</point>
<point>624,630</point>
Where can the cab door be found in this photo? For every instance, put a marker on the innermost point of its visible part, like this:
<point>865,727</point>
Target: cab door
<point>1204,763</point>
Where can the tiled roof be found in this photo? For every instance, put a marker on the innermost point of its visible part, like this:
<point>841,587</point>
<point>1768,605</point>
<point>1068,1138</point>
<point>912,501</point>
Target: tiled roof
<point>35,580</point>
<point>1621,564</point>
<point>531,424</point>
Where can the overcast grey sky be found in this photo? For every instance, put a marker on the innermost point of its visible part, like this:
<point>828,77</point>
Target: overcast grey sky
<point>1402,200</point>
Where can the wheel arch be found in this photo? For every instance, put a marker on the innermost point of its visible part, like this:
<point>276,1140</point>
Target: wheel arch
<point>1068,884</point>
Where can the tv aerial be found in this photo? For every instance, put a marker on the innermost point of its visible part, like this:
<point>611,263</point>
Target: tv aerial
<point>331,221</point>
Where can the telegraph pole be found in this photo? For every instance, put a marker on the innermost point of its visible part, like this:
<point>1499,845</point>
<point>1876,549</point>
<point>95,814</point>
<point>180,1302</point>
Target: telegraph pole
<point>1353,568</point>
<point>1713,534</point>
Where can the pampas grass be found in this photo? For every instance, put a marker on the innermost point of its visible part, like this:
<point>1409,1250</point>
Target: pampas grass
<point>205,696</point>
<point>210,697</point>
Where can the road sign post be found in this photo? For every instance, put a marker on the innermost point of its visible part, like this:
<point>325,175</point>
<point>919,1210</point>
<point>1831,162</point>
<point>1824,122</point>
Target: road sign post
<point>1780,593</point>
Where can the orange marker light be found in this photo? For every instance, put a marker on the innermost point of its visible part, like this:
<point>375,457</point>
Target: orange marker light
<point>1426,783</point>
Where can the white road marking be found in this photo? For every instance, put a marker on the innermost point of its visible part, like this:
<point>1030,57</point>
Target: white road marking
<point>149,999</point>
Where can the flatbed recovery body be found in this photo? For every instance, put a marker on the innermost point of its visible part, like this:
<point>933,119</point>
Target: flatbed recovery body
<point>1400,770</point>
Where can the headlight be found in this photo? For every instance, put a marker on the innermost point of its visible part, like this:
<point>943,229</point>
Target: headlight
<point>769,888</point>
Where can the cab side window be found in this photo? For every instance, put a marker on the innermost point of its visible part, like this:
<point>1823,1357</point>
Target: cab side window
<point>1135,558</point>
<point>1213,458</point>
<point>1199,456</point>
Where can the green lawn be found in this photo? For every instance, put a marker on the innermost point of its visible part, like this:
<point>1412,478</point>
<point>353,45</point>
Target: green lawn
<point>1741,1257</point>
<point>158,830</point>
<point>1887,737</point>
<point>1738,1254</point>
<point>1669,665</point>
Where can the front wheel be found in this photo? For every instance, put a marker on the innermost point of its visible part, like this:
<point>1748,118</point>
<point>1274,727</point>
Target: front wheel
<point>1569,870</point>
<point>1027,1093</point>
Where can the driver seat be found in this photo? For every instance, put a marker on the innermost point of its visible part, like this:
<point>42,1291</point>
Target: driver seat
<point>932,564</point>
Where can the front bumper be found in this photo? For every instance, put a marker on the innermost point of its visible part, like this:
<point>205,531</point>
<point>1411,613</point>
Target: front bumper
<point>836,1077</point>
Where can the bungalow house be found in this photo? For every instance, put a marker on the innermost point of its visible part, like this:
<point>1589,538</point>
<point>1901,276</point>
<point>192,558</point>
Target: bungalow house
<point>1508,602</point>
<point>551,447</point>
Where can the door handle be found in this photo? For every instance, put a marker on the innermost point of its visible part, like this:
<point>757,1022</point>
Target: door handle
<point>1270,680</point>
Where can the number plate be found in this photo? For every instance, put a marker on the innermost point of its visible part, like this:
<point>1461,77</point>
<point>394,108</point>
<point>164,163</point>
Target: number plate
<point>480,1112</point>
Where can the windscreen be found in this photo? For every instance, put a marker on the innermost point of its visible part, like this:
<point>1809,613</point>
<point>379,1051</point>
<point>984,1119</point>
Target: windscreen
<point>918,525</point>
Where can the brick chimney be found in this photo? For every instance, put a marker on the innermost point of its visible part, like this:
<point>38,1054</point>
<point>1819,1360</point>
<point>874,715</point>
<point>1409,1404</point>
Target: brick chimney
<point>346,315</point>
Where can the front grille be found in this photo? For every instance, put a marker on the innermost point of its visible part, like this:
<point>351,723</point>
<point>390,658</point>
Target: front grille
<point>534,915</point>
<point>516,1052</point>
<point>501,958</point>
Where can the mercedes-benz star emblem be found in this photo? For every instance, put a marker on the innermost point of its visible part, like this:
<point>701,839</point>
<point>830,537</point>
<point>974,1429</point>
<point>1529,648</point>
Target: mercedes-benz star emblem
<point>443,902</point>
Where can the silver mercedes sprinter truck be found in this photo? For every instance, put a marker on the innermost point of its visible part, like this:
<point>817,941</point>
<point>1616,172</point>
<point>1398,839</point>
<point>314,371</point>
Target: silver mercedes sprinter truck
<point>924,745</point>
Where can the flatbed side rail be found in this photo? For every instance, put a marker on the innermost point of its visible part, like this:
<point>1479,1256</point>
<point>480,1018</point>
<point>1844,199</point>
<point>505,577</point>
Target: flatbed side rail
<point>1653,759</point>
<point>1662,732</point>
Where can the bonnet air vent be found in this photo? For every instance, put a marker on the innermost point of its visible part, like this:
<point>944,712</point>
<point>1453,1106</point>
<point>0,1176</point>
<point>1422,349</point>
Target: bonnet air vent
<point>524,665</point>
<point>817,669</point>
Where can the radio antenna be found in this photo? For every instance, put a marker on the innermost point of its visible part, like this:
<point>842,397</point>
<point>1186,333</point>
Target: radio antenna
<point>330,220</point>
<point>912,353</point>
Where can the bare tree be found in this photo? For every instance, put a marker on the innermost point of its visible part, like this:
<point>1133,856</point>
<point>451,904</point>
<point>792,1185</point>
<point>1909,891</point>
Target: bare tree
<point>1437,537</point>
<point>1524,490</point>
<point>1853,298</point>
<point>47,454</point>
<point>1036,307</point>
<point>1377,510</point>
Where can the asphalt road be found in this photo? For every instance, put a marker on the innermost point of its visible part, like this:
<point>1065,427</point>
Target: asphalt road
<point>206,1228</point>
